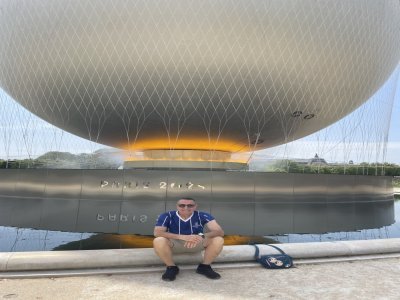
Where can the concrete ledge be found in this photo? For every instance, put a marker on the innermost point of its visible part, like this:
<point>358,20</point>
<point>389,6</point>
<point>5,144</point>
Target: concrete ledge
<point>137,258</point>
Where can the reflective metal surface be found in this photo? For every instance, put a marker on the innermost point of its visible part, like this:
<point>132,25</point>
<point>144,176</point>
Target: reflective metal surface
<point>248,203</point>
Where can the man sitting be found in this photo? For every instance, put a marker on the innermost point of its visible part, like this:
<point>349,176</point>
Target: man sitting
<point>187,230</point>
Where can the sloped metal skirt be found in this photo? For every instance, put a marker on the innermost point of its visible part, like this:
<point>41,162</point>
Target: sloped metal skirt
<point>244,203</point>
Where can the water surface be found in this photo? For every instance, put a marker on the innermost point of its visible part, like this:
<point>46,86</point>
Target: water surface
<point>14,239</point>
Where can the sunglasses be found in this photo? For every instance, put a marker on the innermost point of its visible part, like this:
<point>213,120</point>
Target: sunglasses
<point>187,205</point>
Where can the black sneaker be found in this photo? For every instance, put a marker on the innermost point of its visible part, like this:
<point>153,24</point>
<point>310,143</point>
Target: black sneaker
<point>170,273</point>
<point>207,271</point>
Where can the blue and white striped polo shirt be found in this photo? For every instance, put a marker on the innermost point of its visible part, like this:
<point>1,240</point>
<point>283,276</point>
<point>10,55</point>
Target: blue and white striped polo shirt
<point>175,224</point>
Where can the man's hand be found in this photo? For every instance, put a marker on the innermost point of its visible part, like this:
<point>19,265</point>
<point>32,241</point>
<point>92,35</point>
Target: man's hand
<point>192,240</point>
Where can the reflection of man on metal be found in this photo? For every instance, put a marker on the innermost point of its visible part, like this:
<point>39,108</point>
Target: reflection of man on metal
<point>187,230</point>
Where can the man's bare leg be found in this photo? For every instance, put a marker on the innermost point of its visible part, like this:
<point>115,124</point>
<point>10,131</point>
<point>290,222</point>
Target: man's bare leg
<point>213,249</point>
<point>163,249</point>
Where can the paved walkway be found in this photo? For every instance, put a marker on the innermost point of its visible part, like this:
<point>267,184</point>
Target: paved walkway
<point>359,279</point>
<point>367,269</point>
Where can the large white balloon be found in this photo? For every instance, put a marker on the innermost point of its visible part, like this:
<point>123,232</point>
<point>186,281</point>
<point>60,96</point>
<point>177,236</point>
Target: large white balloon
<point>227,75</point>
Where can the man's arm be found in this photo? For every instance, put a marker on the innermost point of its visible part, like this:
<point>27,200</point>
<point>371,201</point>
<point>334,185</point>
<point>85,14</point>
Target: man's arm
<point>213,230</point>
<point>161,231</point>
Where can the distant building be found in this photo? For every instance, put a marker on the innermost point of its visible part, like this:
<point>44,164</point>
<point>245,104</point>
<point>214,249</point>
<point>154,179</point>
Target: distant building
<point>316,160</point>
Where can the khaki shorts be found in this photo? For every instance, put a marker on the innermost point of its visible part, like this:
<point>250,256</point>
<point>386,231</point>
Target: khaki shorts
<point>177,246</point>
